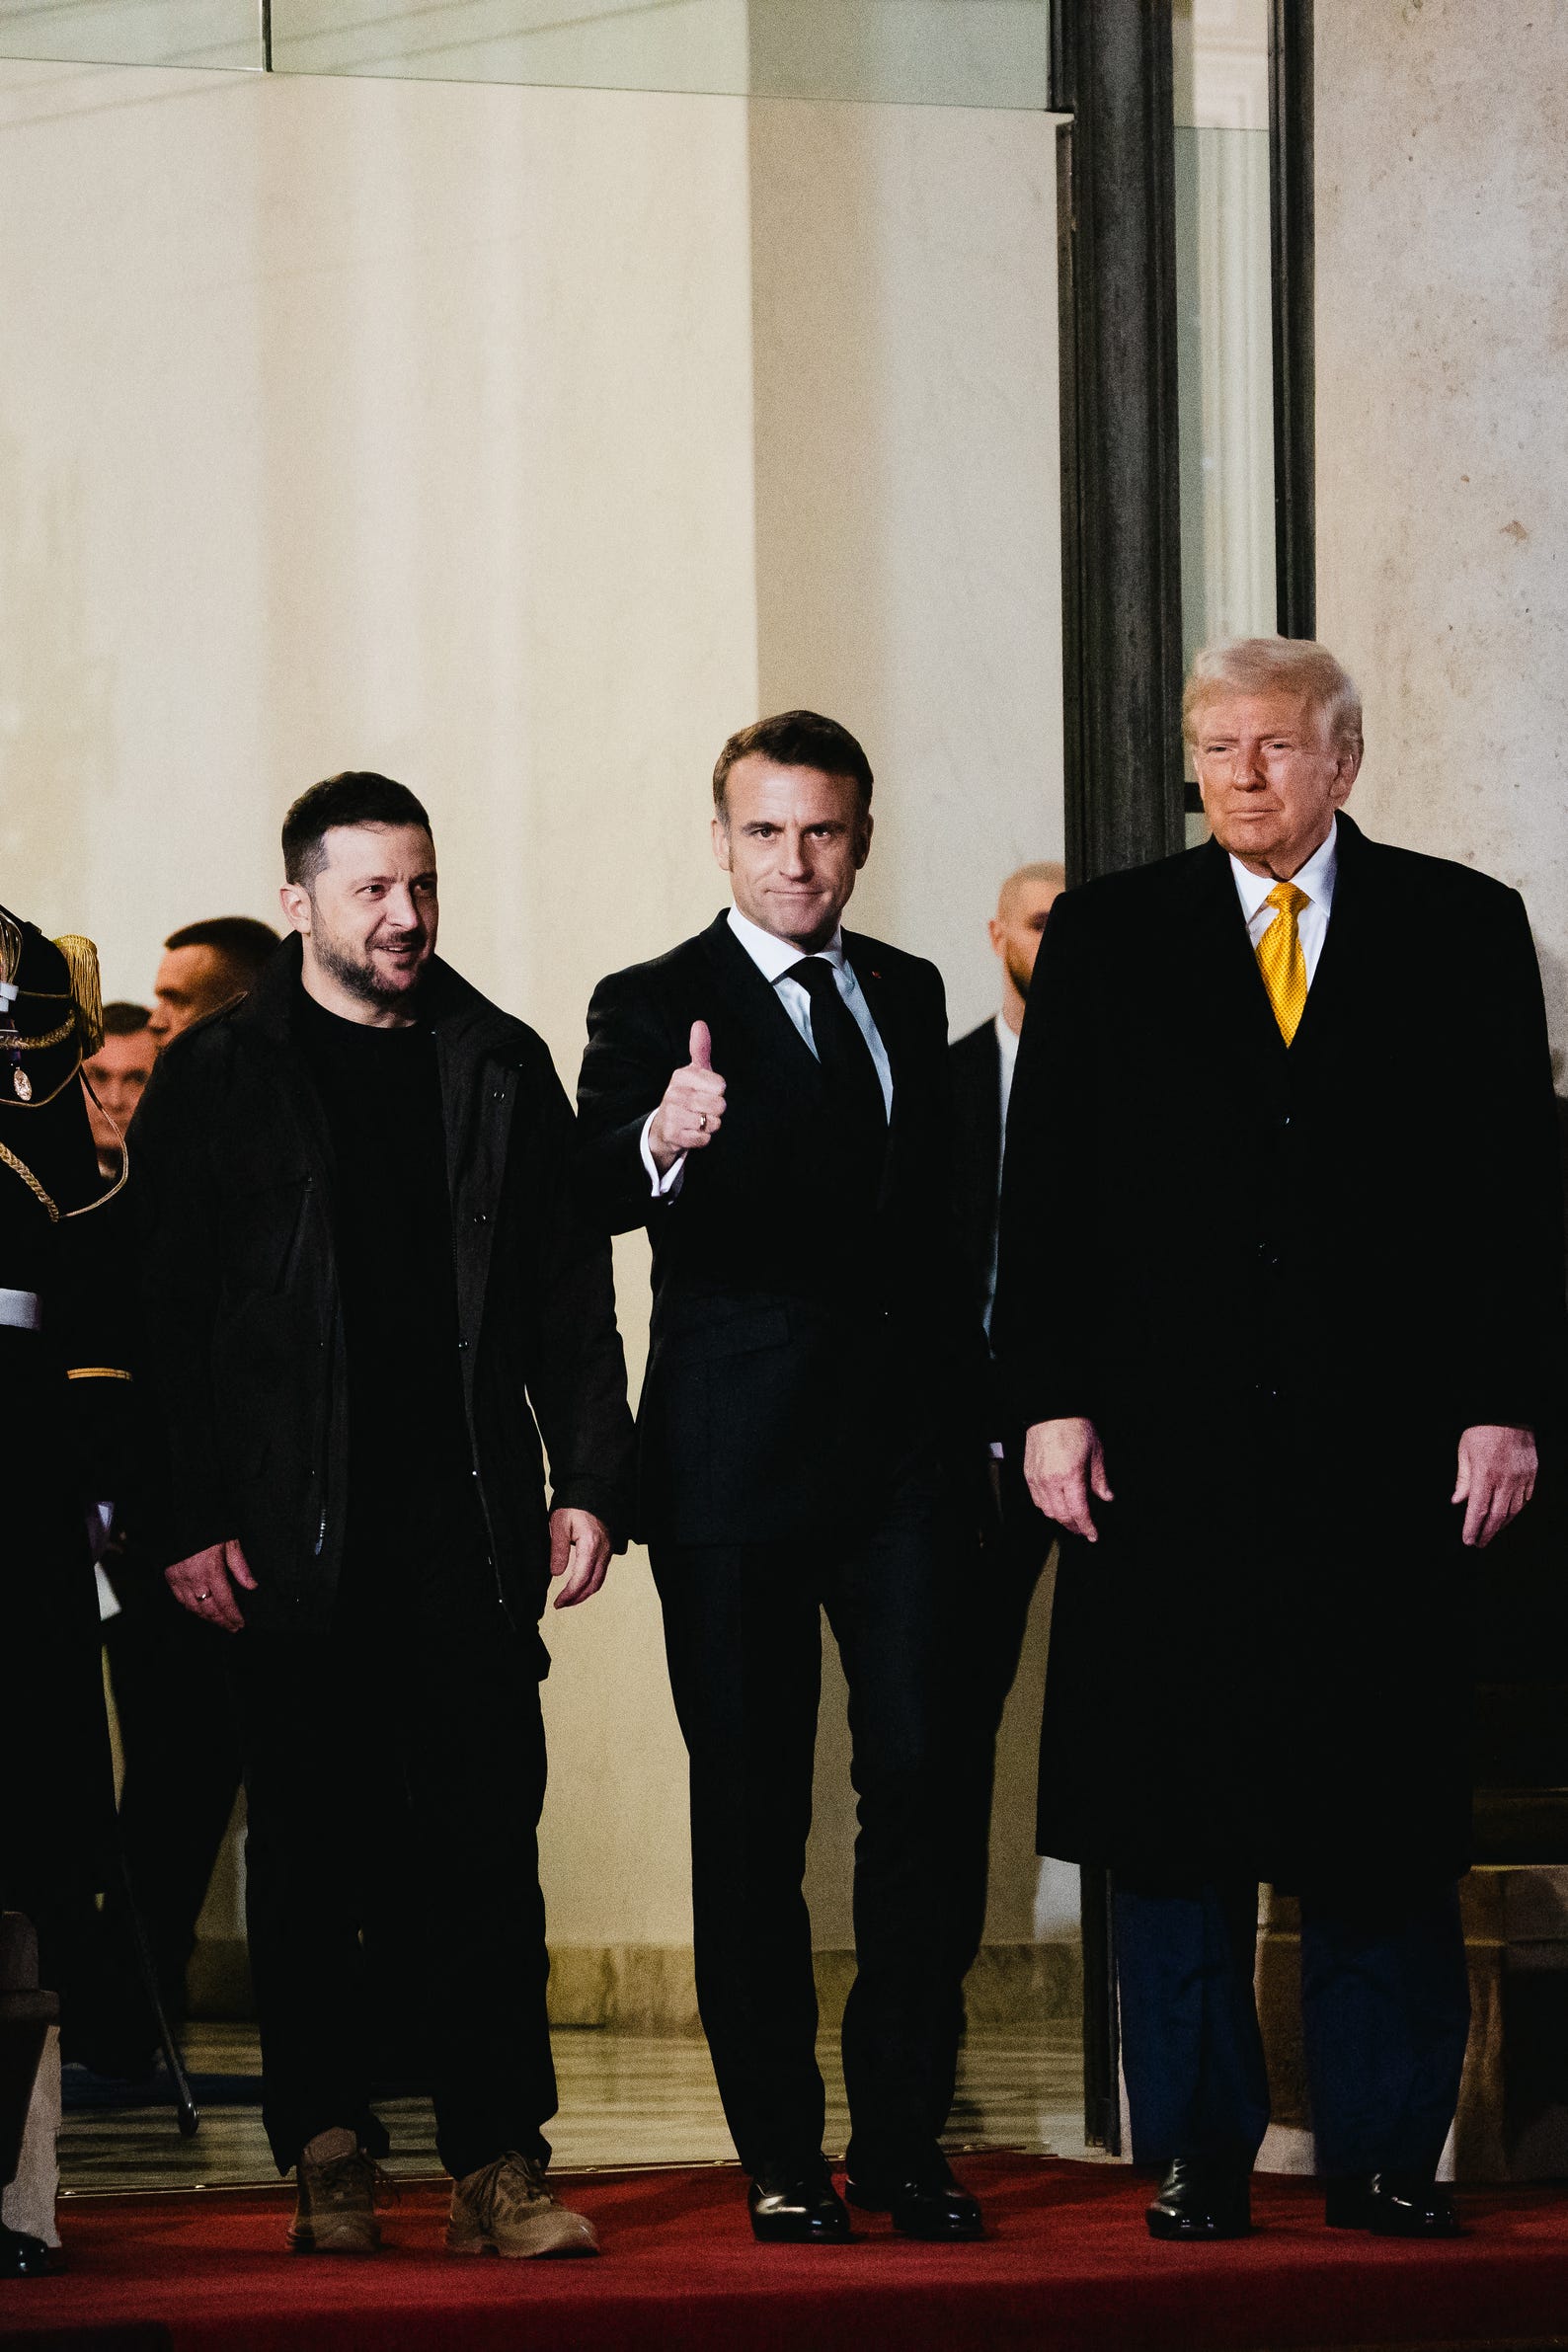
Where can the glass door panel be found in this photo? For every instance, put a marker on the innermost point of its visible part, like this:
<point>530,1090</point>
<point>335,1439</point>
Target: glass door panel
<point>940,52</point>
<point>205,33</point>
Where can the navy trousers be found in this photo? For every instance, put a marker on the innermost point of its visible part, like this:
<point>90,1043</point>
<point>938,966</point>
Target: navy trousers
<point>1385,2009</point>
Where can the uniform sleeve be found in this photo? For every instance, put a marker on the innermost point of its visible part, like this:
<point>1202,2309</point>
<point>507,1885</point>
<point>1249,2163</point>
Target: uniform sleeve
<point>94,1317</point>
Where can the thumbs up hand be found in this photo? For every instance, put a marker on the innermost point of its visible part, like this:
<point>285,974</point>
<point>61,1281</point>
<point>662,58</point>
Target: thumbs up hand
<point>689,1116</point>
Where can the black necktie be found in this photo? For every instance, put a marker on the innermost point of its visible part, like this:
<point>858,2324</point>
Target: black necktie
<point>847,1066</point>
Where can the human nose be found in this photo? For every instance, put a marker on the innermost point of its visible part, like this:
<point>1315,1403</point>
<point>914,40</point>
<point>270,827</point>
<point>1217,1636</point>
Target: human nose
<point>401,912</point>
<point>795,859</point>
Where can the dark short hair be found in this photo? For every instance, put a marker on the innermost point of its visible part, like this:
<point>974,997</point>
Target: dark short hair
<point>242,942</point>
<point>124,1020</point>
<point>797,738</point>
<point>357,797</point>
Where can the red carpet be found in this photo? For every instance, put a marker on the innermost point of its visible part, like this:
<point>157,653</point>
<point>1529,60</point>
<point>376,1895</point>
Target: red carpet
<point>1069,2265</point>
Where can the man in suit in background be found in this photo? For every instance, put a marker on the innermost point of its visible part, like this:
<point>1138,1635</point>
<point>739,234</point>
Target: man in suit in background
<point>982,1064</point>
<point>771,1100</point>
<point>1280,1306</point>
<point>1015,1537</point>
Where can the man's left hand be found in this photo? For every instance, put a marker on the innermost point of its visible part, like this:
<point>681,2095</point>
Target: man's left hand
<point>580,1551</point>
<point>1497,1477</point>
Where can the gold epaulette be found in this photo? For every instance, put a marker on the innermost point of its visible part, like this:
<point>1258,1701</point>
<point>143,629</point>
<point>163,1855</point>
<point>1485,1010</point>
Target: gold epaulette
<point>87,989</point>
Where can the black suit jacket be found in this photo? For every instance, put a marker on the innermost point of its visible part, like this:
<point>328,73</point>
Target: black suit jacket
<point>789,1333</point>
<point>975,1062</point>
<point>1281,1282</point>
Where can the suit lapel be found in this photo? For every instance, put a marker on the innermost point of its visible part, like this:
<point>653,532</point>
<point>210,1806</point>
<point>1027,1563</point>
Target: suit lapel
<point>750,1009</point>
<point>888,1012</point>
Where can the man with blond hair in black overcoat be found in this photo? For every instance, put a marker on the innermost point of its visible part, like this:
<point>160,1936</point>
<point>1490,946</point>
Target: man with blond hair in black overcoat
<point>1279,1309</point>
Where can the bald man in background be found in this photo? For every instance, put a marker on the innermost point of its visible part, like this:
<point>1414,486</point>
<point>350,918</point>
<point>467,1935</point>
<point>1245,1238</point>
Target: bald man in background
<point>1015,1538</point>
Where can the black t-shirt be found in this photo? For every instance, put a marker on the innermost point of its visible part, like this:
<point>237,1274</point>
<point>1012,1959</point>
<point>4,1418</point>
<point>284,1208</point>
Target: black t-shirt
<point>409,1454</point>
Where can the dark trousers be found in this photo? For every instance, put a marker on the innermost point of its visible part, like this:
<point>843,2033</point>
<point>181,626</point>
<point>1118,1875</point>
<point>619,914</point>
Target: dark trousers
<point>743,1629</point>
<point>394,1774</point>
<point>987,1642</point>
<point>177,1733</point>
<point>1385,2009</point>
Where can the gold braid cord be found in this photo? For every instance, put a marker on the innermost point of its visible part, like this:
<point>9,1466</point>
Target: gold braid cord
<point>49,1037</point>
<point>9,1159</point>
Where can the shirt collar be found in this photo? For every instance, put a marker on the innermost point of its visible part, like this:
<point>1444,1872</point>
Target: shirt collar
<point>1007,1041</point>
<point>774,957</point>
<point>1315,879</point>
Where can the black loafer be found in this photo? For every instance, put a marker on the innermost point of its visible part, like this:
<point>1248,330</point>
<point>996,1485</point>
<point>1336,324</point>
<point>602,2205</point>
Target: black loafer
<point>797,2204</point>
<point>24,2257</point>
<point>921,2201</point>
<point>1391,2205</point>
<point>1199,2200</point>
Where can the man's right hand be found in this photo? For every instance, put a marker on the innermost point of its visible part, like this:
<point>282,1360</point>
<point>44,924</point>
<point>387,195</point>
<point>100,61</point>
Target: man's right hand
<point>204,1583</point>
<point>689,1116</point>
<point>1064,1465</point>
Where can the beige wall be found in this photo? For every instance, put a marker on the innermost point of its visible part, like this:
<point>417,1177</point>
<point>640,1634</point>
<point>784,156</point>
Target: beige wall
<point>909,580</point>
<point>1441,176</point>
<point>451,432</point>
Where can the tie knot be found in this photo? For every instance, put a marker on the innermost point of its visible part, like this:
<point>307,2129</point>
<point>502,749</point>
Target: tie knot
<point>814,973</point>
<point>1287,899</point>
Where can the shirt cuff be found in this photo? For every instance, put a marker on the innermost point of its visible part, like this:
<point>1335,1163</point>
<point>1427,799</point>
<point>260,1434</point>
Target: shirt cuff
<point>665,1187</point>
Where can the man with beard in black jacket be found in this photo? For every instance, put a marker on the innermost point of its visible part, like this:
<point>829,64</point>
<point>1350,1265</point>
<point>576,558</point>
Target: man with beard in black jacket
<point>368,1296</point>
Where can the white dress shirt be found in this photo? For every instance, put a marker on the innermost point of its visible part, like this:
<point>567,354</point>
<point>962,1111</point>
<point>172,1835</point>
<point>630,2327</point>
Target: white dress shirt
<point>1315,879</point>
<point>773,958</point>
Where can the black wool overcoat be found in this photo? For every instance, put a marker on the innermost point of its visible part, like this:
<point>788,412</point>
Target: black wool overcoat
<point>1281,1282</point>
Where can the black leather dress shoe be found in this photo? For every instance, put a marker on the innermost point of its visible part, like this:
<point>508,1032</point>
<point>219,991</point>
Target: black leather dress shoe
<point>1200,2199</point>
<point>797,2204</point>
<point>1391,2205</point>
<point>24,2257</point>
<point>922,2200</point>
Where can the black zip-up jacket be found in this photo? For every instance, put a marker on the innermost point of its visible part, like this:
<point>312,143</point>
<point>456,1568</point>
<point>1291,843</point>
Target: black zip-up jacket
<point>243,1315</point>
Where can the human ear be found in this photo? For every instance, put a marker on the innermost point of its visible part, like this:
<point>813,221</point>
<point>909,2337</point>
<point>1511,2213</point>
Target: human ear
<point>720,837</point>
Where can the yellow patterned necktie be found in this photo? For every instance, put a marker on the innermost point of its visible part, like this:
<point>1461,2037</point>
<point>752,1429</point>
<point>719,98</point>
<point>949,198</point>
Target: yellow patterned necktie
<point>1280,958</point>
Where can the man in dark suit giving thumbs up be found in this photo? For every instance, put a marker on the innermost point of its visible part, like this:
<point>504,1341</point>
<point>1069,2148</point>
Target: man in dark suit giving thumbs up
<point>770,1099</point>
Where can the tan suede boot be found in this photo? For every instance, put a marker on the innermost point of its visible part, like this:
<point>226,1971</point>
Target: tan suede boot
<point>335,2211</point>
<point>505,2208</point>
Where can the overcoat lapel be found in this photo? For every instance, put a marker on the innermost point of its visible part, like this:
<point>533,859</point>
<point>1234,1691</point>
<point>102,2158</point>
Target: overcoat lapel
<point>1337,981</point>
<point>1231,1003</point>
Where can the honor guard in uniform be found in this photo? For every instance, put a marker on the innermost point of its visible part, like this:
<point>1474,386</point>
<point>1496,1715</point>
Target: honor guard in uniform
<point>64,1399</point>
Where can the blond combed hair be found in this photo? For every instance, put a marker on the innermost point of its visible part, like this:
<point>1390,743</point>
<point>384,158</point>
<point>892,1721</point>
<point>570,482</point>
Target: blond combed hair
<point>1267,665</point>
